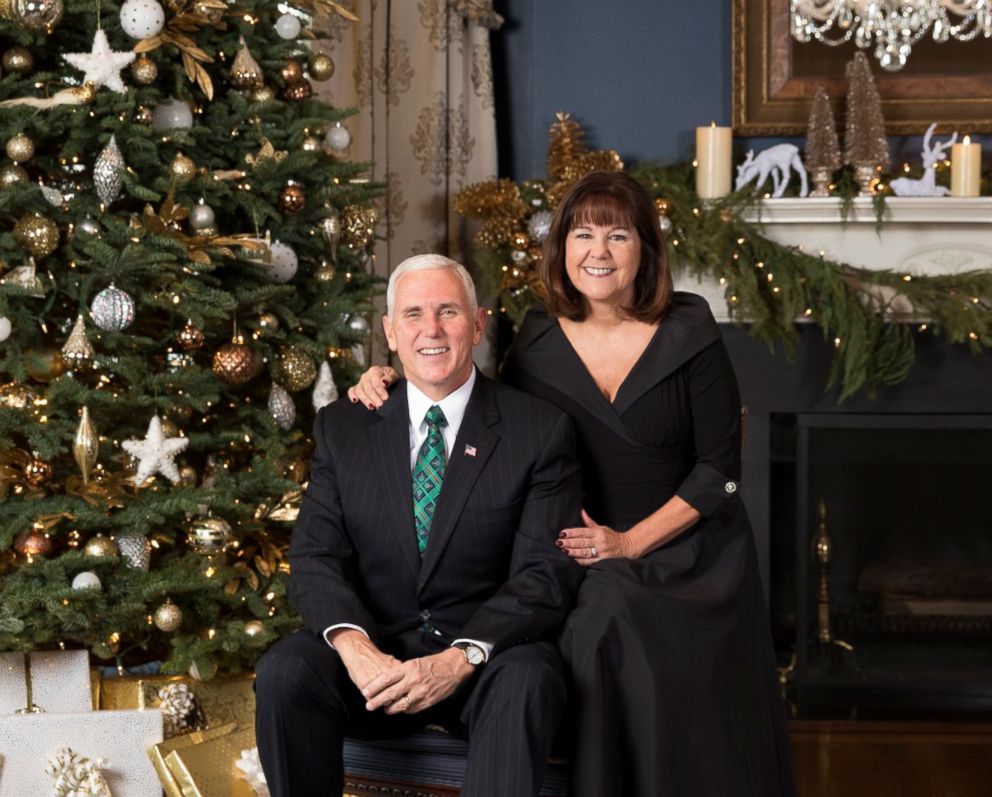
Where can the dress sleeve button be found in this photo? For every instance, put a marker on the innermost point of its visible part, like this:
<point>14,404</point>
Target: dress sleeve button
<point>730,487</point>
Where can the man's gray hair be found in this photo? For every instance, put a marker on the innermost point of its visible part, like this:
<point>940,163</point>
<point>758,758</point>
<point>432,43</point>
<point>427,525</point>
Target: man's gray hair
<point>425,263</point>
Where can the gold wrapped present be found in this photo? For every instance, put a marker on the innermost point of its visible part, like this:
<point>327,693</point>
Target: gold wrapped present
<point>208,769</point>
<point>224,699</point>
<point>159,752</point>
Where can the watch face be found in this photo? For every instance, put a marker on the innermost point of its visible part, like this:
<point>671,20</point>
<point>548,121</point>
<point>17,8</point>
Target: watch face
<point>475,655</point>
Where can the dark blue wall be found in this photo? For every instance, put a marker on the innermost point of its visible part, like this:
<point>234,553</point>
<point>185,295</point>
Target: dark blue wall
<point>639,75</point>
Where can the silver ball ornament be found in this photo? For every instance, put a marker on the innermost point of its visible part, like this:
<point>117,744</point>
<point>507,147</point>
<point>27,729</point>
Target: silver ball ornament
<point>5,328</point>
<point>282,263</point>
<point>254,628</point>
<point>172,114</point>
<point>338,138</point>
<point>358,323</point>
<point>86,580</point>
<point>539,224</point>
<point>288,26</point>
<point>112,309</point>
<point>90,226</point>
<point>201,216</point>
<point>664,224</point>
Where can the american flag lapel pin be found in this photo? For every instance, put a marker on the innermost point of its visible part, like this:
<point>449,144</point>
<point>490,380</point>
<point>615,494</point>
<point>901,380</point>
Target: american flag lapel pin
<point>470,451</point>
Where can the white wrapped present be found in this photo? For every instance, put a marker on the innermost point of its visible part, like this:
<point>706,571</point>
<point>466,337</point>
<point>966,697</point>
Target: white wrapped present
<point>60,681</point>
<point>29,742</point>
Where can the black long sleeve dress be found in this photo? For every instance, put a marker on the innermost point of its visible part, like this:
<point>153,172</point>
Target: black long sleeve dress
<point>670,654</point>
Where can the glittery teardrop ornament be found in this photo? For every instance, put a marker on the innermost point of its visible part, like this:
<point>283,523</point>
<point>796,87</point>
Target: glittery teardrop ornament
<point>325,391</point>
<point>78,353</point>
<point>112,309</point>
<point>245,71</point>
<point>281,407</point>
<point>107,172</point>
<point>86,445</point>
<point>135,550</point>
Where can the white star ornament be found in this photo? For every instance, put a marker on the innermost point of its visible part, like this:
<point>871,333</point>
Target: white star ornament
<point>155,453</point>
<point>101,64</point>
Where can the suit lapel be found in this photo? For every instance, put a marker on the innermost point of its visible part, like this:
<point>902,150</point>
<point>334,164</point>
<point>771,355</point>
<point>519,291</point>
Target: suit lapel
<point>390,445</point>
<point>473,446</point>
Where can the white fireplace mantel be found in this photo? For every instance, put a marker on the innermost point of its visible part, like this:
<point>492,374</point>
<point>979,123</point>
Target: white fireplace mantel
<point>918,236</point>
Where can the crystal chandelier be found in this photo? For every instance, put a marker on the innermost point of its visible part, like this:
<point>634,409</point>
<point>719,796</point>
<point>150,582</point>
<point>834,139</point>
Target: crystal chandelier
<point>891,26</point>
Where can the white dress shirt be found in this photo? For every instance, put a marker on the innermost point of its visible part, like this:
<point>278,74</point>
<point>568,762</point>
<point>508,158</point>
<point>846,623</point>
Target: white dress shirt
<point>453,406</point>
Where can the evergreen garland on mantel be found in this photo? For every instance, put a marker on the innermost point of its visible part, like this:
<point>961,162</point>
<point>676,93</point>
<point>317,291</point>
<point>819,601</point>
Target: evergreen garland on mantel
<point>768,285</point>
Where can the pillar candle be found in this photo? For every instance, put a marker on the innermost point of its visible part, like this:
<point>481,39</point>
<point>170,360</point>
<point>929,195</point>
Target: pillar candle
<point>713,161</point>
<point>966,168</point>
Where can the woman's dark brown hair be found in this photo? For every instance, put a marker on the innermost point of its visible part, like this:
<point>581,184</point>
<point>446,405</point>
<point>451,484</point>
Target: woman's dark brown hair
<point>608,199</point>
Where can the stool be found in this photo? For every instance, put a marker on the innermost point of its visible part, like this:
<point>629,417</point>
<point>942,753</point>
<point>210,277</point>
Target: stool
<point>428,763</point>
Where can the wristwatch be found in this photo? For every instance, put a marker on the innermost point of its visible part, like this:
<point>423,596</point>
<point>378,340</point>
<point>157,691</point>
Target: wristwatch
<point>474,655</point>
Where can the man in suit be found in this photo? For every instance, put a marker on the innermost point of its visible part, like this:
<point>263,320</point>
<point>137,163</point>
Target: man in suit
<point>424,562</point>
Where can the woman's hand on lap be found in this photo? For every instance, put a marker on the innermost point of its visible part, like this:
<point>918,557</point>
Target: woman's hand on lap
<point>593,542</point>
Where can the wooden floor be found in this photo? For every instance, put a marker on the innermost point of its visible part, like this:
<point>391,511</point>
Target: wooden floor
<point>892,759</point>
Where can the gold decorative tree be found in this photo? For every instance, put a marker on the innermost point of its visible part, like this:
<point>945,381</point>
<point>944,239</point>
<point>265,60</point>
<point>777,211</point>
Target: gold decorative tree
<point>865,146</point>
<point>822,147</point>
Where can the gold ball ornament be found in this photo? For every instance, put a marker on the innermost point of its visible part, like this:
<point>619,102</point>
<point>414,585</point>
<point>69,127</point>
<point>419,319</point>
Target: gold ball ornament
<point>663,205</point>
<point>262,94</point>
<point>37,234</point>
<point>520,240</point>
<point>20,148</point>
<point>254,628</point>
<point>101,546</point>
<point>16,396</point>
<point>292,198</point>
<point>182,167</point>
<point>209,536</point>
<point>144,70</point>
<point>268,323</point>
<point>37,471</point>
<point>325,273</point>
<point>297,91</point>
<point>291,71</point>
<point>18,59</point>
<point>311,144</point>
<point>44,365</point>
<point>187,476</point>
<point>34,16</point>
<point>358,225</point>
<point>34,543</point>
<point>236,363</point>
<point>168,617</point>
<point>190,337</point>
<point>143,115</point>
<point>11,174</point>
<point>321,67</point>
<point>294,369</point>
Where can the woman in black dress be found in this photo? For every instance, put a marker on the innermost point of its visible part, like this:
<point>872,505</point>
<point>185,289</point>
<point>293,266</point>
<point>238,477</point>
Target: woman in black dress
<point>668,648</point>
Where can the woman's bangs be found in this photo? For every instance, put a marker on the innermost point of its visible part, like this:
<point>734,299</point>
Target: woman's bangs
<point>602,210</point>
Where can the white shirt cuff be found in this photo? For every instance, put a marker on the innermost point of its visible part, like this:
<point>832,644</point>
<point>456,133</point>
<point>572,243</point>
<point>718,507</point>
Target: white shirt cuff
<point>487,647</point>
<point>331,628</point>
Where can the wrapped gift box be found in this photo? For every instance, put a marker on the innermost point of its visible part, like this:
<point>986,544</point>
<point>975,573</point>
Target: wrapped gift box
<point>60,681</point>
<point>29,741</point>
<point>160,752</point>
<point>208,769</point>
<point>223,700</point>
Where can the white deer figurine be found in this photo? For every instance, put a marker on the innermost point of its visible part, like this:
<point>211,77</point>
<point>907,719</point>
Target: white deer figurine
<point>775,161</point>
<point>927,184</point>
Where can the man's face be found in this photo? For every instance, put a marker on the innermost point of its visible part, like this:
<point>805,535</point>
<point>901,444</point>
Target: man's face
<point>432,329</point>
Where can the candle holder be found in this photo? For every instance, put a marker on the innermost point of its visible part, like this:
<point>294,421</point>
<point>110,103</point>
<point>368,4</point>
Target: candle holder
<point>821,182</point>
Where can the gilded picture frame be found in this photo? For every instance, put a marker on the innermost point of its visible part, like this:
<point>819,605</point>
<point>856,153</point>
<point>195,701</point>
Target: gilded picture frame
<point>775,78</point>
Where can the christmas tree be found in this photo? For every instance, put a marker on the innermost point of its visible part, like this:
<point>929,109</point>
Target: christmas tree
<point>822,148</point>
<point>865,146</point>
<point>183,257</point>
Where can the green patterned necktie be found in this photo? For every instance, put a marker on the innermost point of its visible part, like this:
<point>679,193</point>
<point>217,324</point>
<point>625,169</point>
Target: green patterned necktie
<point>428,472</point>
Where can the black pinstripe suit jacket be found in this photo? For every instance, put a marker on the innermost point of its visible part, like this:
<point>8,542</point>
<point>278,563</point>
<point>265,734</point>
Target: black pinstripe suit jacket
<point>491,570</point>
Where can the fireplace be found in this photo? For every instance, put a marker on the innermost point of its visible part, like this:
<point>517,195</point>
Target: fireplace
<point>893,561</point>
<point>873,527</point>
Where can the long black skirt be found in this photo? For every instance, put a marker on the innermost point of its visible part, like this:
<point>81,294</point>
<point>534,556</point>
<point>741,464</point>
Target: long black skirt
<point>673,674</point>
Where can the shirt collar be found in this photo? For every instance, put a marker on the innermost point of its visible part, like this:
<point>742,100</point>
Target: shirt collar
<point>453,405</point>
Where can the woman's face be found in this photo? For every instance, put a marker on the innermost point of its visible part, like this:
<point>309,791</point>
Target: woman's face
<point>602,262</point>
